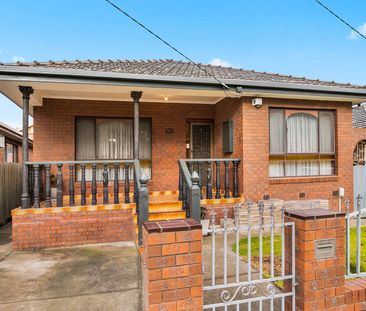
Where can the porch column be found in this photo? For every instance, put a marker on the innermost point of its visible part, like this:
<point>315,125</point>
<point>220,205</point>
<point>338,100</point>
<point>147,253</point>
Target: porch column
<point>26,91</point>
<point>136,115</point>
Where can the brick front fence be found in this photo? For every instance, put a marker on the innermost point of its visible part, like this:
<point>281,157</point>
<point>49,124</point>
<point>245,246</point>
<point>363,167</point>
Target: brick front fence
<point>172,265</point>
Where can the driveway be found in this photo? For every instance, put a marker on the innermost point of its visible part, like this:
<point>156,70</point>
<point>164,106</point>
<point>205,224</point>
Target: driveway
<point>92,277</point>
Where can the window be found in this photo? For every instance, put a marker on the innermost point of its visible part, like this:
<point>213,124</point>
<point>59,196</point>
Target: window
<point>108,139</point>
<point>302,143</point>
<point>11,153</point>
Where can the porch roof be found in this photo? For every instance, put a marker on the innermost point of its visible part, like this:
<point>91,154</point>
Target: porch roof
<point>186,82</point>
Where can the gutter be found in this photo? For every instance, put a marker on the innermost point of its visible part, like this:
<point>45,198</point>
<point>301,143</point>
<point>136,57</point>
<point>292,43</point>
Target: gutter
<point>34,74</point>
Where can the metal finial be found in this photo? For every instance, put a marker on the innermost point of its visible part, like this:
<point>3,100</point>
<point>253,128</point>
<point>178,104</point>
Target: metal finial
<point>225,213</point>
<point>271,210</point>
<point>237,214</point>
<point>359,197</point>
<point>213,219</point>
<point>347,203</point>
<point>261,212</point>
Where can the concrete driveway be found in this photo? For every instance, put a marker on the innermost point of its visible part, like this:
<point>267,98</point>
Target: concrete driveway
<point>93,277</point>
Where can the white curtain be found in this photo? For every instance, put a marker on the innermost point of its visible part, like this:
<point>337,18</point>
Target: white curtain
<point>276,169</point>
<point>326,131</point>
<point>114,139</point>
<point>277,131</point>
<point>145,140</point>
<point>326,167</point>
<point>98,139</point>
<point>85,138</point>
<point>302,168</point>
<point>302,133</point>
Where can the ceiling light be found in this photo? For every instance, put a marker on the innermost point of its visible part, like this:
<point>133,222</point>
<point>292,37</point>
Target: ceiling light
<point>166,98</point>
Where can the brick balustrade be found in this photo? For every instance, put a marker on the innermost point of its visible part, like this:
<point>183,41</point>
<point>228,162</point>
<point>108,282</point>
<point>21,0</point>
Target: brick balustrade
<point>172,265</point>
<point>65,226</point>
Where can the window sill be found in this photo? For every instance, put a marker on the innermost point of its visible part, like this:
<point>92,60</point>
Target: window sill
<point>304,179</point>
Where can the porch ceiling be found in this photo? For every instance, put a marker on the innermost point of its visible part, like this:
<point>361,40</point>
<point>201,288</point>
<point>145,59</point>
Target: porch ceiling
<point>106,93</point>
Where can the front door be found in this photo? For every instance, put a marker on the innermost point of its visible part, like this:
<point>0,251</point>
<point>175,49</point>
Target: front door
<point>201,141</point>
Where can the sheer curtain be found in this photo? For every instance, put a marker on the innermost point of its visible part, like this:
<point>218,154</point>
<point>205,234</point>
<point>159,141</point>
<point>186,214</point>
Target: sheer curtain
<point>277,131</point>
<point>114,139</point>
<point>302,133</point>
<point>85,139</point>
<point>108,139</point>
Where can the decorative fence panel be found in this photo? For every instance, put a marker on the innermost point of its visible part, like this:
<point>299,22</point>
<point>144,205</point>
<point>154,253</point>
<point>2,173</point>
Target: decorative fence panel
<point>251,266</point>
<point>10,189</point>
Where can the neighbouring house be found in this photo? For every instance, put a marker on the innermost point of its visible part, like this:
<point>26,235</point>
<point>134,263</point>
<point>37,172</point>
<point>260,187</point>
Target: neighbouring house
<point>11,144</point>
<point>97,124</point>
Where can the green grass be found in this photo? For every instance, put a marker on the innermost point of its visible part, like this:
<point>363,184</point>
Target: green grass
<point>243,251</point>
<point>353,241</point>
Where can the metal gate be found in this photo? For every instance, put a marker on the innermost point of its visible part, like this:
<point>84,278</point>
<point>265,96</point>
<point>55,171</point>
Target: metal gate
<point>359,184</point>
<point>252,260</point>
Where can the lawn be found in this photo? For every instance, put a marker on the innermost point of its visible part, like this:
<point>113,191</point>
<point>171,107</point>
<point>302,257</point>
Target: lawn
<point>243,251</point>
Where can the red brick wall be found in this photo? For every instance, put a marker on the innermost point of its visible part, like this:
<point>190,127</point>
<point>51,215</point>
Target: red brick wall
<point>2,155</point>
<point>230,109</point>
<point>54,131</point>
<point>256,154</point>
<point>53,228</point>
<point>54,136</point>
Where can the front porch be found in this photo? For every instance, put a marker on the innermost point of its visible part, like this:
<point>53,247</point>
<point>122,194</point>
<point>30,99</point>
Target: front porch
<point>103,161</point>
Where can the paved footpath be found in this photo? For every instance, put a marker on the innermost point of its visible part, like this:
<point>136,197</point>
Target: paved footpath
<point>93,277</point>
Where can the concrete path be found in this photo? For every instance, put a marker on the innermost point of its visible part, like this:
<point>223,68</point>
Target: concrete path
<point>93,277</point>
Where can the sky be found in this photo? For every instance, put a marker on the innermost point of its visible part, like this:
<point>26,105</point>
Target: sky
<point>295,37</point>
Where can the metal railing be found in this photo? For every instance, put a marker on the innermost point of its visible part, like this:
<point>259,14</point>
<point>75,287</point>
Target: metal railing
<point>250,283</point>
<point>141,195</point>
<point>196,179</point>
<point>43,175</point>
<point>354,227</point>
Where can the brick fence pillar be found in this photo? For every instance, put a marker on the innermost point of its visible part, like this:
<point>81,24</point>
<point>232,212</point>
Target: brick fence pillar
<point>172,265</point>
<point>319,270</point>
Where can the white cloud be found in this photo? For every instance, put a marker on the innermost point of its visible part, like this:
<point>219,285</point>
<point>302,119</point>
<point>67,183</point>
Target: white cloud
<point>220,62</point>
<point>18,59</point>
<point>354,35</point>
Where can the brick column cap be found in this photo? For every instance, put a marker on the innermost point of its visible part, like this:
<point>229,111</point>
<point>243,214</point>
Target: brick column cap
<point>171,225</point>
<point>313,214</point>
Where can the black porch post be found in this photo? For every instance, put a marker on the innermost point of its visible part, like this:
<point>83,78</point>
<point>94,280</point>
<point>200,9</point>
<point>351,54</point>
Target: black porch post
<point>26,91</point>
<point>136,129</point>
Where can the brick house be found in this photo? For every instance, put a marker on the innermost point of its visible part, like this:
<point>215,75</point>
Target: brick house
<point>280,136</point>
<point>11,144</point>
<point>183,112</point>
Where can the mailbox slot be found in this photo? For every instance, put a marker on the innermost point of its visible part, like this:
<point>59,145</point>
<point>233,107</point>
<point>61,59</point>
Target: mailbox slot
<point>325,249</point>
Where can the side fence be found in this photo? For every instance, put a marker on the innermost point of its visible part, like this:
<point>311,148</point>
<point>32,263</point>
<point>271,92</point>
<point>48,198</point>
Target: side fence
<point>10,189</point>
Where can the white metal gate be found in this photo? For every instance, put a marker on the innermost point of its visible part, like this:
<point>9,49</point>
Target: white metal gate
<point>250,259</point>
<point>359,184</point>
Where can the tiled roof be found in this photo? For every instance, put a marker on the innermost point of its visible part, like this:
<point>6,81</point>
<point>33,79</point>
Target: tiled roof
<point>359,117</point>
<point>176,68</point>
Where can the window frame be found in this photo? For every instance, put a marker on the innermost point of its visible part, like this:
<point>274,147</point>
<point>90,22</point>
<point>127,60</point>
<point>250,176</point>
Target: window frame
<point>114,118</point>
<point>15,152</point>
<point>313,156</point>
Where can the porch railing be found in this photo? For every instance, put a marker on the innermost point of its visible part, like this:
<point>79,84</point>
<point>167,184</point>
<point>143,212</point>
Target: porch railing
<point>43,174</point>
<point>99,182</point>
<point>354,236</point>
<point>196,180</point>
<point>141,195</point>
